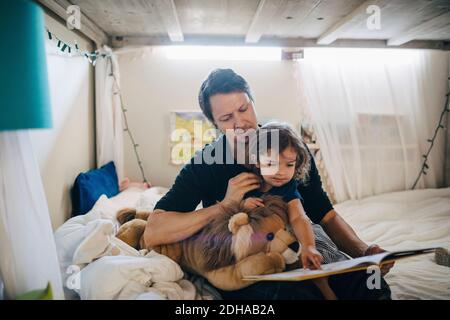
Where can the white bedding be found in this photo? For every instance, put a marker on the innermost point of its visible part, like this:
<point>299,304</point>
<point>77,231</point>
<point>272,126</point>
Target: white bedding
<point>97,265</point>
<point>401,220</point>
<point>404,220</point>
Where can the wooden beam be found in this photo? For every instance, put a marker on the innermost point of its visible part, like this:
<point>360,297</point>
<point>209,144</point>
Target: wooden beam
<point>437,24</point>
<point>348,21</point>
<point>119,42</point>
<point>168,13</point>
<point>261,20</point>
<point>88,27</point>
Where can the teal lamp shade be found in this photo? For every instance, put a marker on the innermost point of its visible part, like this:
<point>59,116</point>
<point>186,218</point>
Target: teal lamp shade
<point>24,89</point>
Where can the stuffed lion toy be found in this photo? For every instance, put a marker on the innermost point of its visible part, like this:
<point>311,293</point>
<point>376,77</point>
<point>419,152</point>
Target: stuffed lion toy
<point>238,243</point>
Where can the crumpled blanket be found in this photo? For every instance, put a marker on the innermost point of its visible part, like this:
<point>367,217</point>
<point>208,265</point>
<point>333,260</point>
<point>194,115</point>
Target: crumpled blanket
<point>97,265</point>
<point>127,277</point>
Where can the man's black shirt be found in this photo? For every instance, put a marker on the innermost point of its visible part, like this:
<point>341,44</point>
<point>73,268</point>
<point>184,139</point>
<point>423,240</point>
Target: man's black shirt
<point>206,182</point>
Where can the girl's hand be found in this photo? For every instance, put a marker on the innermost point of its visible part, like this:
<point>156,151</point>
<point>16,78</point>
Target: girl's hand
<point>311,258</point>
<point>252,203</point>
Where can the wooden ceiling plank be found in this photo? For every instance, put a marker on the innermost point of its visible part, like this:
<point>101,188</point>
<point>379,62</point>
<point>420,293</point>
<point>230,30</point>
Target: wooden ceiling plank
<point>168,13</point>
<point>88,27</point>
<point>124,18</point>
<point>274,41</point>
<point>356,15</point>
<point>440,23</point>
<point>261,20</point>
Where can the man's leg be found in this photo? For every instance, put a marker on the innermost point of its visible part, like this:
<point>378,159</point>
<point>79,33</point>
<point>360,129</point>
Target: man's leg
<point>353,285</point>
<point>275,290</point>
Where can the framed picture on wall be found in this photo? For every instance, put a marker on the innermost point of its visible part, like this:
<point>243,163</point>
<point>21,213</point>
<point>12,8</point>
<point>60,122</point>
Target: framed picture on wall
<point>190,131</point>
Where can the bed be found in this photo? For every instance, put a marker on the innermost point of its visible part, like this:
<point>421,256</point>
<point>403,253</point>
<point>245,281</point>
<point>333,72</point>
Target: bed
<point>401,220</point>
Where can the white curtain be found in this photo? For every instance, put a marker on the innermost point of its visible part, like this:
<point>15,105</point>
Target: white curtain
<point>108,111</point>
<point>28,258</point>
<point>372,111</point>
<point>2,287</point>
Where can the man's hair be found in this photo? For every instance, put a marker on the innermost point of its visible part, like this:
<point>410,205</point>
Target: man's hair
<point>220,81</point>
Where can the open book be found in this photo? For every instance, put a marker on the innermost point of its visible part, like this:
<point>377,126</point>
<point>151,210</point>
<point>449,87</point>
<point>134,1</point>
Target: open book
<point>341,266</point>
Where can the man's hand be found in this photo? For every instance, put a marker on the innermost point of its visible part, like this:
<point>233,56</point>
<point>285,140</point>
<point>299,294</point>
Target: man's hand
<point>239,185</point>
<point>374,249</point>
<point>252,203</point>
<point>311,258</point>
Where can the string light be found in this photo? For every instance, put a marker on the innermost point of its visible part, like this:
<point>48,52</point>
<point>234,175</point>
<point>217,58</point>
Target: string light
<point>431,141</point>
<point>126,126</point>
<point>92,58</point>
<point>67,48</point>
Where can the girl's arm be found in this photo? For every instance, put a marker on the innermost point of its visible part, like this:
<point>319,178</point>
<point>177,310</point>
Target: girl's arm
<point>304,233</point>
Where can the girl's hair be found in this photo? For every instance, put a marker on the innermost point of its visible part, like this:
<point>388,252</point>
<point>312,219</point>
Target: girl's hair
<point>287,138</point>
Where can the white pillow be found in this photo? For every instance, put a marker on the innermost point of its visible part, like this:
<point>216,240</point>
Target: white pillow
<point>127,198</point>
<point>149,198</point>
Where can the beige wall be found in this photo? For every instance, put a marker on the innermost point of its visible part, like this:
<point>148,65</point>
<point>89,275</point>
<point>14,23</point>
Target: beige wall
<point>69,147</point>
<point>447,153</point>
<point>152,86</point>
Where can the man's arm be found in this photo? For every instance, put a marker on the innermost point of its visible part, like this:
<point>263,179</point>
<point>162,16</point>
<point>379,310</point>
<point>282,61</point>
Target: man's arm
<point>320,210</point>
<point>347,240</point>
<point>164,227</point>
<point>174,217</point>
<point>343,235</point>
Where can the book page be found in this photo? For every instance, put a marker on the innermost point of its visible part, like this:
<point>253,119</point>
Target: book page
<point>396,255</point>
<point>331,268</point>
<point>360,263</point>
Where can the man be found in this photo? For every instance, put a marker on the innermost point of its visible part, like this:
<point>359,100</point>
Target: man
<point>226,101</point>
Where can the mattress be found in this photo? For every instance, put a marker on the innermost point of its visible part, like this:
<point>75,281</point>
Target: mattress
<point>395,221</point>
<point>407,220</point>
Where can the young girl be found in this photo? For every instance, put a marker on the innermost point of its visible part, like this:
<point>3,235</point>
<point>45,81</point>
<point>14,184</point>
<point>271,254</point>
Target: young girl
<point>281,171</point>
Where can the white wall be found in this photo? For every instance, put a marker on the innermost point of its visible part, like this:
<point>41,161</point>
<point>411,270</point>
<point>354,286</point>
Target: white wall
<point>152,86</point>
<point>69,147</point>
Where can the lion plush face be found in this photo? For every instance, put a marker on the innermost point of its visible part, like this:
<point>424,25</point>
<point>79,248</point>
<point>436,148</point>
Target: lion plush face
<point>238,234</point>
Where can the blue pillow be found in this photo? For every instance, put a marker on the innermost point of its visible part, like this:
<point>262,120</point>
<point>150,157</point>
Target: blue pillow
<point>89,186</point>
